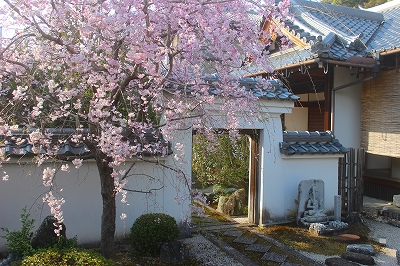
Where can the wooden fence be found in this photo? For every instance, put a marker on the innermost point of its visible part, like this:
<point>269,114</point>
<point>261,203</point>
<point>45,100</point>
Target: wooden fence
<point>351,170</point>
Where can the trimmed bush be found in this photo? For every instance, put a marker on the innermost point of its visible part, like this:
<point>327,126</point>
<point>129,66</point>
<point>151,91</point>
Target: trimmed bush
<point>19,241</point>
<point>150,230</point>
<point>66,257</point>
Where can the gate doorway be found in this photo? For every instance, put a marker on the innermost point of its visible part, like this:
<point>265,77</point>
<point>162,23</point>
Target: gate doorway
<point>251,185</point>
<point>254,177</point>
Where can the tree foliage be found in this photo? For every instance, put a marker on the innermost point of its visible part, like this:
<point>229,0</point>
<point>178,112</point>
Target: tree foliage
<point>356,3</point>
<point>223,161</point>
<point>112,70</point>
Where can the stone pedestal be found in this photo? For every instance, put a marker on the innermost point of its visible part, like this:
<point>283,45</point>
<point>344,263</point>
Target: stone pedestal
<point>396,200</point>
<point>337,215</point>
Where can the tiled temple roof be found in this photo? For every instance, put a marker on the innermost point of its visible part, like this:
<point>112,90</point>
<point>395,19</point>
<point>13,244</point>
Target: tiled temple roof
<point>275,91</point>
<point>18,144</point>
<point>344,31</point>
<point>301,143</point>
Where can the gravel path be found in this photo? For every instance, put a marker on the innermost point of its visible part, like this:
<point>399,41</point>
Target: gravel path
<point>392,235</point>
<point>205,251</point>
<point>208,253</point>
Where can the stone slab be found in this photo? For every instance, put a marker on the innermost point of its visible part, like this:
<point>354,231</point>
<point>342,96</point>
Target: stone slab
<point>396,200</point>
<point>275,257</point>
<point>290,264</point>
<point>258,248</point>
<point>245,240</point>
<point>358,257</point>
<point>366,249</point>
<point>347,238</point>
<point>235,233</point>
<point>339,262</point>
<point>303,196</point>
<point>337,211</point>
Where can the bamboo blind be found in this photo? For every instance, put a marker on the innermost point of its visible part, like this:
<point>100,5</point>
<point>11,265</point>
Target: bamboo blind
<point>380,115</point>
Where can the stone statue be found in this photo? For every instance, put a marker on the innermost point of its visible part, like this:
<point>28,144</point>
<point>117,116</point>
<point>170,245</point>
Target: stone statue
<point>314,212</point>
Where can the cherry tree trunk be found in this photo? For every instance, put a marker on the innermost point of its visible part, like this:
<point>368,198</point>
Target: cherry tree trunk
<point>109,206</point>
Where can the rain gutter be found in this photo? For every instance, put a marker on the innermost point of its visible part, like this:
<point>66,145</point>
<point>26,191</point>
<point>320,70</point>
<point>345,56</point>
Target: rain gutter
<point>325,61</point>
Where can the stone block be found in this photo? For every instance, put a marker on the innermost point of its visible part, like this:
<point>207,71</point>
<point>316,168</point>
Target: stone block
<point>361,248</point>
<point>398,256</point>
<point>358,257</point>
<point>245,240</point>
<point>339,262</point>
<point>275,257</point>
<point>258,248</point>
<point>234,204</point>
<point>45,235</point>
<point>347,238</point>
<point>175,251</point>
<point>235,233</point>
<point>396,200</point>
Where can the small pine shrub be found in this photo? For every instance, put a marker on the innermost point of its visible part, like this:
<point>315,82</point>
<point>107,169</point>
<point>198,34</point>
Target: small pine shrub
<point>150,230</point>
<point>65,257</point>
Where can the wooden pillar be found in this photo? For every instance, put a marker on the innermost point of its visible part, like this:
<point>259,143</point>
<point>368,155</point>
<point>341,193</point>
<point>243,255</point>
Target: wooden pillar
<point>253,209</point>
<point>328,99</point>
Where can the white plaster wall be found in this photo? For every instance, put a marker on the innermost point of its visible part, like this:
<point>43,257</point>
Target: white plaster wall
<point>81,191</point>
<point>272,185</point>
<point>303,167</point>
<point>347,109</point>
<point>281,175</point>
<point>297,120</point>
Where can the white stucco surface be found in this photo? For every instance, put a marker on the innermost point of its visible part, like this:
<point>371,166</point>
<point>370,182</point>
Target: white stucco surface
<point>81,190</point>
<point>347,108</point>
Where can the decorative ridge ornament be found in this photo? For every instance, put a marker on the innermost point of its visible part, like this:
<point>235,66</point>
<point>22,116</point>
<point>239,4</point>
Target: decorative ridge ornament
<point>358,45</point>
<point>320,47</point>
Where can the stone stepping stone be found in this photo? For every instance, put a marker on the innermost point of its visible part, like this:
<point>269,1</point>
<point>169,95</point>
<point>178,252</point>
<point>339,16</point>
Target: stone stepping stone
<point>258,248</point>
<point>366,249</point>
<point>359,258</point>
<point>235,233</point>
<point>209,220</point>
<point>275,257</point>
<point>290,264</point>
<point>347,238</point>
<point>245,240</point>
<point>339,262</point>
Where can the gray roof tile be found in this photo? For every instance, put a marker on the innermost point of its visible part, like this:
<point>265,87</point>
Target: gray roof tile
<point>378,29</point>
<point>68,148</point>
<point>310,143</point>
<point>276,90</point>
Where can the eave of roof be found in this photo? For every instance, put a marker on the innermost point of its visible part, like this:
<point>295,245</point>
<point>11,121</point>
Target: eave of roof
<point>275,91</point>
<point>310,143</point>
<point>348,32</point>
<point>18,145</point>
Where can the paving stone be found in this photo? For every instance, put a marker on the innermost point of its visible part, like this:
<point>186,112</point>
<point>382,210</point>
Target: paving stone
<point>245,240</point>
<point>275,257</point>
<point>339,262</point>
<point>258,248</point>
<point>209,220</point>
<point>366,249</point>
<point>236,233</point>
<point>358,257</point>
<point>290,264</point>
<point>347,238</point>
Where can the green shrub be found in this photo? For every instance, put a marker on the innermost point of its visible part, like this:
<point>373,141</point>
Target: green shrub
<point>150,230</point>
<point>19,242</point>
<point>65,257</point>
